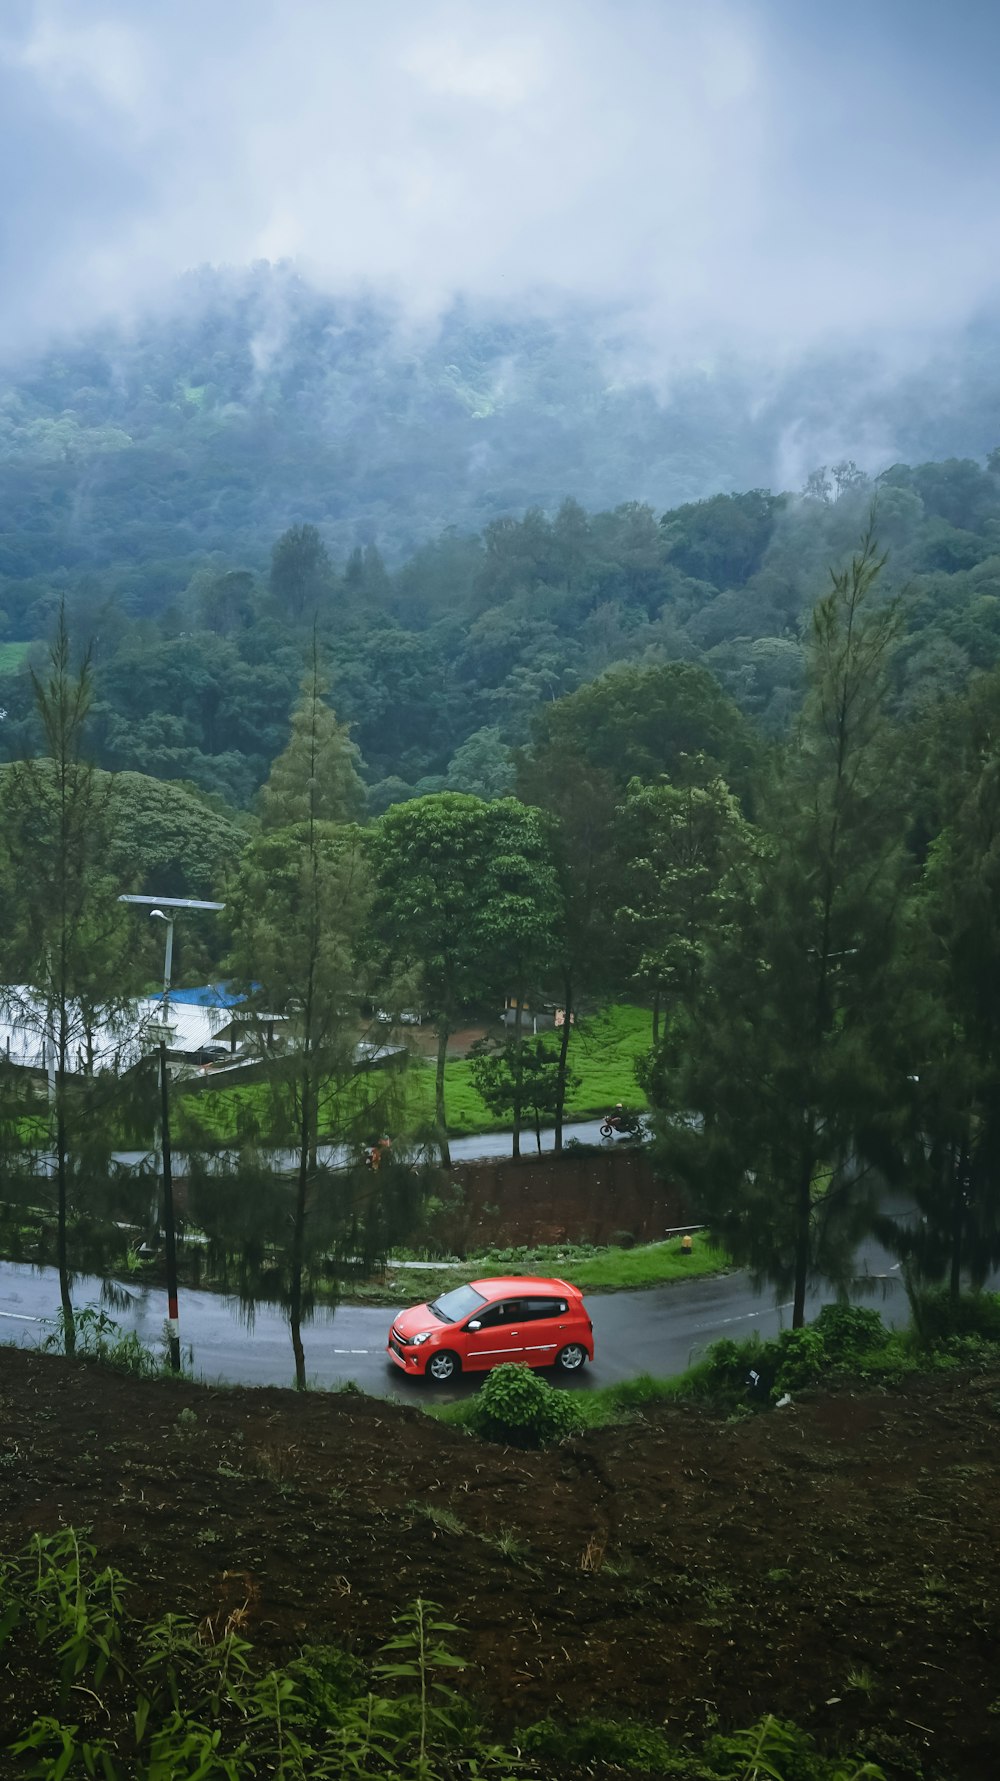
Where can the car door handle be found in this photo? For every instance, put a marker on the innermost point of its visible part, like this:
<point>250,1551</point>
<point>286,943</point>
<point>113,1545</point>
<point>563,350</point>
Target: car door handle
<point>513,1332</point>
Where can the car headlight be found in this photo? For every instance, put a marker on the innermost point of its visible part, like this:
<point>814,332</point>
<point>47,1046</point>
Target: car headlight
<point>424,1336</point>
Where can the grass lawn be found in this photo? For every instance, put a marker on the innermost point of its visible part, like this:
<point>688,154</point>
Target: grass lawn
<point>651,1264</point>
<point>592,1270</point>
<point>12,655</point>
<point>222,1113</point>
<point>603,1053</point>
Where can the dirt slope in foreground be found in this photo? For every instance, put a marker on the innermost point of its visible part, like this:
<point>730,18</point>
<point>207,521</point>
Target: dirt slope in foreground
<point>837,1562</point>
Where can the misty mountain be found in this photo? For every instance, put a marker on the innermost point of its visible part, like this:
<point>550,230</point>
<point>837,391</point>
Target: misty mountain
<point>248,402</point>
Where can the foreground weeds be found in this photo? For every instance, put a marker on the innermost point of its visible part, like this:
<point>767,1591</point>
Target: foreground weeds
<point>129,1700</point>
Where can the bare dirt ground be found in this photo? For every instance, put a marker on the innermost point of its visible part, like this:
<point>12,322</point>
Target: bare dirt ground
<point>837,1563</point>
<point>423,1039</point>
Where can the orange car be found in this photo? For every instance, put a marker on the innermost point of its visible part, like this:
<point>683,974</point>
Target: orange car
<point>475,1327</point>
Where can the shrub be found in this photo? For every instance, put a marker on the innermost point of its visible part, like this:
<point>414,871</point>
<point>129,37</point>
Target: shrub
<point>756,1372</point>
<point>850,1331</point>
<point>100,1338</point>
<point>779,1749</point>
<point>801,1358</point>
<point>743,1371</point>
<point>972,1314</point>
<point>593,1740</point>
<point>970,1351</point>
<point>518,1408</point>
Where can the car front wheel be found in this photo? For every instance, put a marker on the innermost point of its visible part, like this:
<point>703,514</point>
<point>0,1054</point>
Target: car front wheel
<point>443,1366</point>
<point>572,1357</point>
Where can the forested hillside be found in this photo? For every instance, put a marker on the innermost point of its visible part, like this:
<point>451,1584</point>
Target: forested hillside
<point>444,663</point>
<point>480,517</point>
<point>250,401</point>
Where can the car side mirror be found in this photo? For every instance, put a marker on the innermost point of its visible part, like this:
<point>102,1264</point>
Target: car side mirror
<point>474,1325</point>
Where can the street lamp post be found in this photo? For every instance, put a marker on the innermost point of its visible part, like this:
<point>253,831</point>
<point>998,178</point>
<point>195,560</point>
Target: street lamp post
<point>169,1233</point>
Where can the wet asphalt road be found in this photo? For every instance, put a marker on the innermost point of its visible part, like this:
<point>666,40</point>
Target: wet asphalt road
<point>463,1150</point>
<point>658,1331</point>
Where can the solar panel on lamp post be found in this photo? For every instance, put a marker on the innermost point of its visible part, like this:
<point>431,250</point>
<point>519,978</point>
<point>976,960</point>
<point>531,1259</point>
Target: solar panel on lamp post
<point>157,907</point>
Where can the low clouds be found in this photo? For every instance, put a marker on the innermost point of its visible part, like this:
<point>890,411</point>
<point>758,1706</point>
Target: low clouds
<point>733,176</point>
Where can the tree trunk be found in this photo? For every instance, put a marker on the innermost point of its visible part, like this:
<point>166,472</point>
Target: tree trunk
<point>439,1107</point>
<point>516,1133</point>
<point>62,1250</point>
<point>656,1015</point>
<point>803,1211</point>
<point>298,1240</point>
<point>960,1173</point>
<point>563,1059</point>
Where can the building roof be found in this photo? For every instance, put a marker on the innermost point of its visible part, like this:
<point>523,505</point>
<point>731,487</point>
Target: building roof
<point>210,995</point>
<point>116,1043</point>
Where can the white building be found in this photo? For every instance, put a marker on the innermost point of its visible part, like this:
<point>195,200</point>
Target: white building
<point>196,1018</point>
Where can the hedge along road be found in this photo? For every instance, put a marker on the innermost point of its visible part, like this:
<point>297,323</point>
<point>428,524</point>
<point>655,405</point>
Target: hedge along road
<point>660,1330</point>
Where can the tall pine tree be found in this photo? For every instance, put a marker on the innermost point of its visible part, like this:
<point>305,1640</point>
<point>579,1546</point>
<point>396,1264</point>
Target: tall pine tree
<point>66,943</point>
<point>777,1085</point>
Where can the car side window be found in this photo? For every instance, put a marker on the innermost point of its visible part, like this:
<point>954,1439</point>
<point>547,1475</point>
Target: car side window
<point>538,1308</point>
<point>494,1315</point>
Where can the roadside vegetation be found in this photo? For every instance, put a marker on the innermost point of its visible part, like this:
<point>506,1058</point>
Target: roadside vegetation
<point>592,1268</point>
<point>846,1346</point>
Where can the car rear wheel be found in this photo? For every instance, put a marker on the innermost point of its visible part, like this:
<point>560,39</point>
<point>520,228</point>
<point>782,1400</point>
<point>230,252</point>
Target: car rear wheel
<point>572,1357</point>
<point>443,1366</point>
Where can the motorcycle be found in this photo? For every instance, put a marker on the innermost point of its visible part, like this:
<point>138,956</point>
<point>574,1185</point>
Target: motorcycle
<point>622,1125</point>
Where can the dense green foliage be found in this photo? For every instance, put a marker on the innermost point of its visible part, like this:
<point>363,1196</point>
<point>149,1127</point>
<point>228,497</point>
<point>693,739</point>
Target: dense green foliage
<point>847,1347</point>
<point>520,1409</point>
<point>768,809</point>
<point>203,490</point>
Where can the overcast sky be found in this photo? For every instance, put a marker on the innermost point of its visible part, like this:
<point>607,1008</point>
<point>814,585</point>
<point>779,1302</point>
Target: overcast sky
<point>743,172</point>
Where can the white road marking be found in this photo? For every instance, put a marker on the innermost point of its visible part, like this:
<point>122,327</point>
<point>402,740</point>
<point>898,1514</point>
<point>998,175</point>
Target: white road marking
<point>354,1351</point>
<point>22,1317</point>
<point>745,1315</point>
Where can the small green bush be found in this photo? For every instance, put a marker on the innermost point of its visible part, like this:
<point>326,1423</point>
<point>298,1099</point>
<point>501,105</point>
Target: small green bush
<point>850,1331</point>
<point>755,1372</point>
<point>100,1338</point>
<point>972,1314</point>
<point>593,1740</point>
<point>781,1750</point>
<point>969,1351</point>
<point>740,1371</point>
<point>518,1408</point>
<point>773,1748</point>
<point>801,1358</point>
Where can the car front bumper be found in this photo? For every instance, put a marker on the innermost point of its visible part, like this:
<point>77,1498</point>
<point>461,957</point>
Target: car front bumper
<point>404,1358</point>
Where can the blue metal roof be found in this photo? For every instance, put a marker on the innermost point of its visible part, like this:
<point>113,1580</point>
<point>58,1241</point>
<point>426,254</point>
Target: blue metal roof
<point>211,995</point>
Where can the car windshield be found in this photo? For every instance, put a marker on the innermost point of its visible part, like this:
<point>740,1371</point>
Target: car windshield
<point>452,1306</point>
